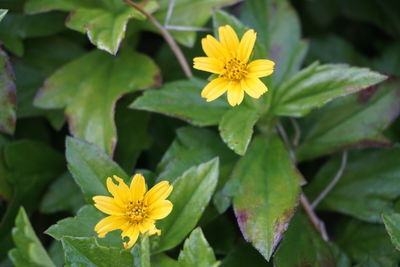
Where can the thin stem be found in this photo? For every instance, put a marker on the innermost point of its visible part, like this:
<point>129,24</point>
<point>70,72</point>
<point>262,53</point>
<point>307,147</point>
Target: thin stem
<point>285,138</point>
<point>335,180</point>
<point>167,36</point>
<point>297,132</point>
<point>318,224</point>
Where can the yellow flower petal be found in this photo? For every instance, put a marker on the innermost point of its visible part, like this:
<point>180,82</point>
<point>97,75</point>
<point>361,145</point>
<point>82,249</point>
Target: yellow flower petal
<point>209,64</point>
<point>215,89</point>
<point>108,224</point>
<point>132,233</point>
<point>253,87</point>
<point>154,231</point>
<point>108,205</point>
<point>160,209</point>
<point>138,187</point>
<point>246,45</point>
<point>121,192</point>
<point>213,48</point>
<point>229,39</point>
<point>158,192</point>
<point>235,94</point>
<point>260,68</point>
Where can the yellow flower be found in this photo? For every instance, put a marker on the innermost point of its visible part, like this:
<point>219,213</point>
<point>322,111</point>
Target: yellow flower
<point>132,209</point>
<point>229,59</point>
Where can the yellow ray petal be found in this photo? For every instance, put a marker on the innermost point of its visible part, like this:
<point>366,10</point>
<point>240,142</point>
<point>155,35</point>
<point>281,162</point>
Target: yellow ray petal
<point>260,68</point>
<point>209,64</point>
<point>158,192</point>
<point>108,224</point>
<point>228,39</point>
<point>146,225</point>
<point>154,230</point>
<point>246,45</point>
<point>108,205</point>
<point>257,85</point>
<point>138,187</point>
<point>121,192</point>
<point>215,89</point>
<point>235,94</point>
<point>213,48</point>
<point>133,234</point>
<point>160,209</point>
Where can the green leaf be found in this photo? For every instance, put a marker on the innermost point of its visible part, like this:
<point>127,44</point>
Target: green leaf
<point>317,84</point>
<point>67,199</point>
<point>88,88</point>
<point>141,252</point>
<point>104,22</point>
<point>188,13</point>
<point>244,255</point>
<point>29,251</point>
<point>197,252</point>
<point>356,120</point>
<point>236,127</point>
<point>278,28</point>
<point>389,61</point>
<point>266,191</point>
<point>303,246</point>
<point>16,27</point>
<point>162,260</point>
<point>3,12</point>
<point>192,193</point>
<point>85,251</point>
<point>182,99</point>
<point>368,186</point>
<point>367,244</point>
<point>90,167</point>
<point>8,95</point>
<point>392,224</point>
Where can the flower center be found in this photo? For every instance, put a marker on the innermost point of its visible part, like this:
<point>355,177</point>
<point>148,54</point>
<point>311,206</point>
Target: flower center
<point>234,69</point>
<point>136,211</point>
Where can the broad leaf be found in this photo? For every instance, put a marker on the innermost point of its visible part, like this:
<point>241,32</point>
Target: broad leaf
<point>29,251</point>
<point>197,252</point>
<point>317,84</point>
<point>356,120</point>
<point>266,191</point>
<point>90,167</point>
<point>192,193</point>
<point>62,195</point>
<point>88,88</point>
<point>85,251</point>
<point>367,244</point>
<point>392,224</point>
<point>103,21</point>
<point>7,95</point>
<point>181,99</point>
<point>303,246</point>
<point>369,185</point>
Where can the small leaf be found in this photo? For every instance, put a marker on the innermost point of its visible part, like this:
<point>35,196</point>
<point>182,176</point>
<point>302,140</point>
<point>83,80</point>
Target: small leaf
<point>392,224</point>
<point>8,95</point>
<point>85,251</point>
<point>368,186</point>
<point>29,251</point>
<point>355,120</point>
<point>236,127</point>
<point>192,193</point>
<point>182,99</point>
<point>317,84</point>
<point>197,252</point>
<point>90,167</point>
<point>267,191</point>
<point>88,88</point>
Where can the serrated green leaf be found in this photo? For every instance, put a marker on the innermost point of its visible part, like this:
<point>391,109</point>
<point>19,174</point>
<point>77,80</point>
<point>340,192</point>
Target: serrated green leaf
<point>8,95</point>
<point>192,193</point>
<point>104,22</point>
<point>356,120</point>
<point>317,84</point>
<point>88,88</point>
<point>62,195</point>
<point>3,12</point>
<point>85,251</point>
<point>182,99</point>
<point>367,244</point>
<point>303,246</point>
<point>392,224</point>
<point>266,191</point>
<point>236,127</point>
<point>369,185</point>
<point>29,251</point>
<point>197,252</point>
<point>90,167</point>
